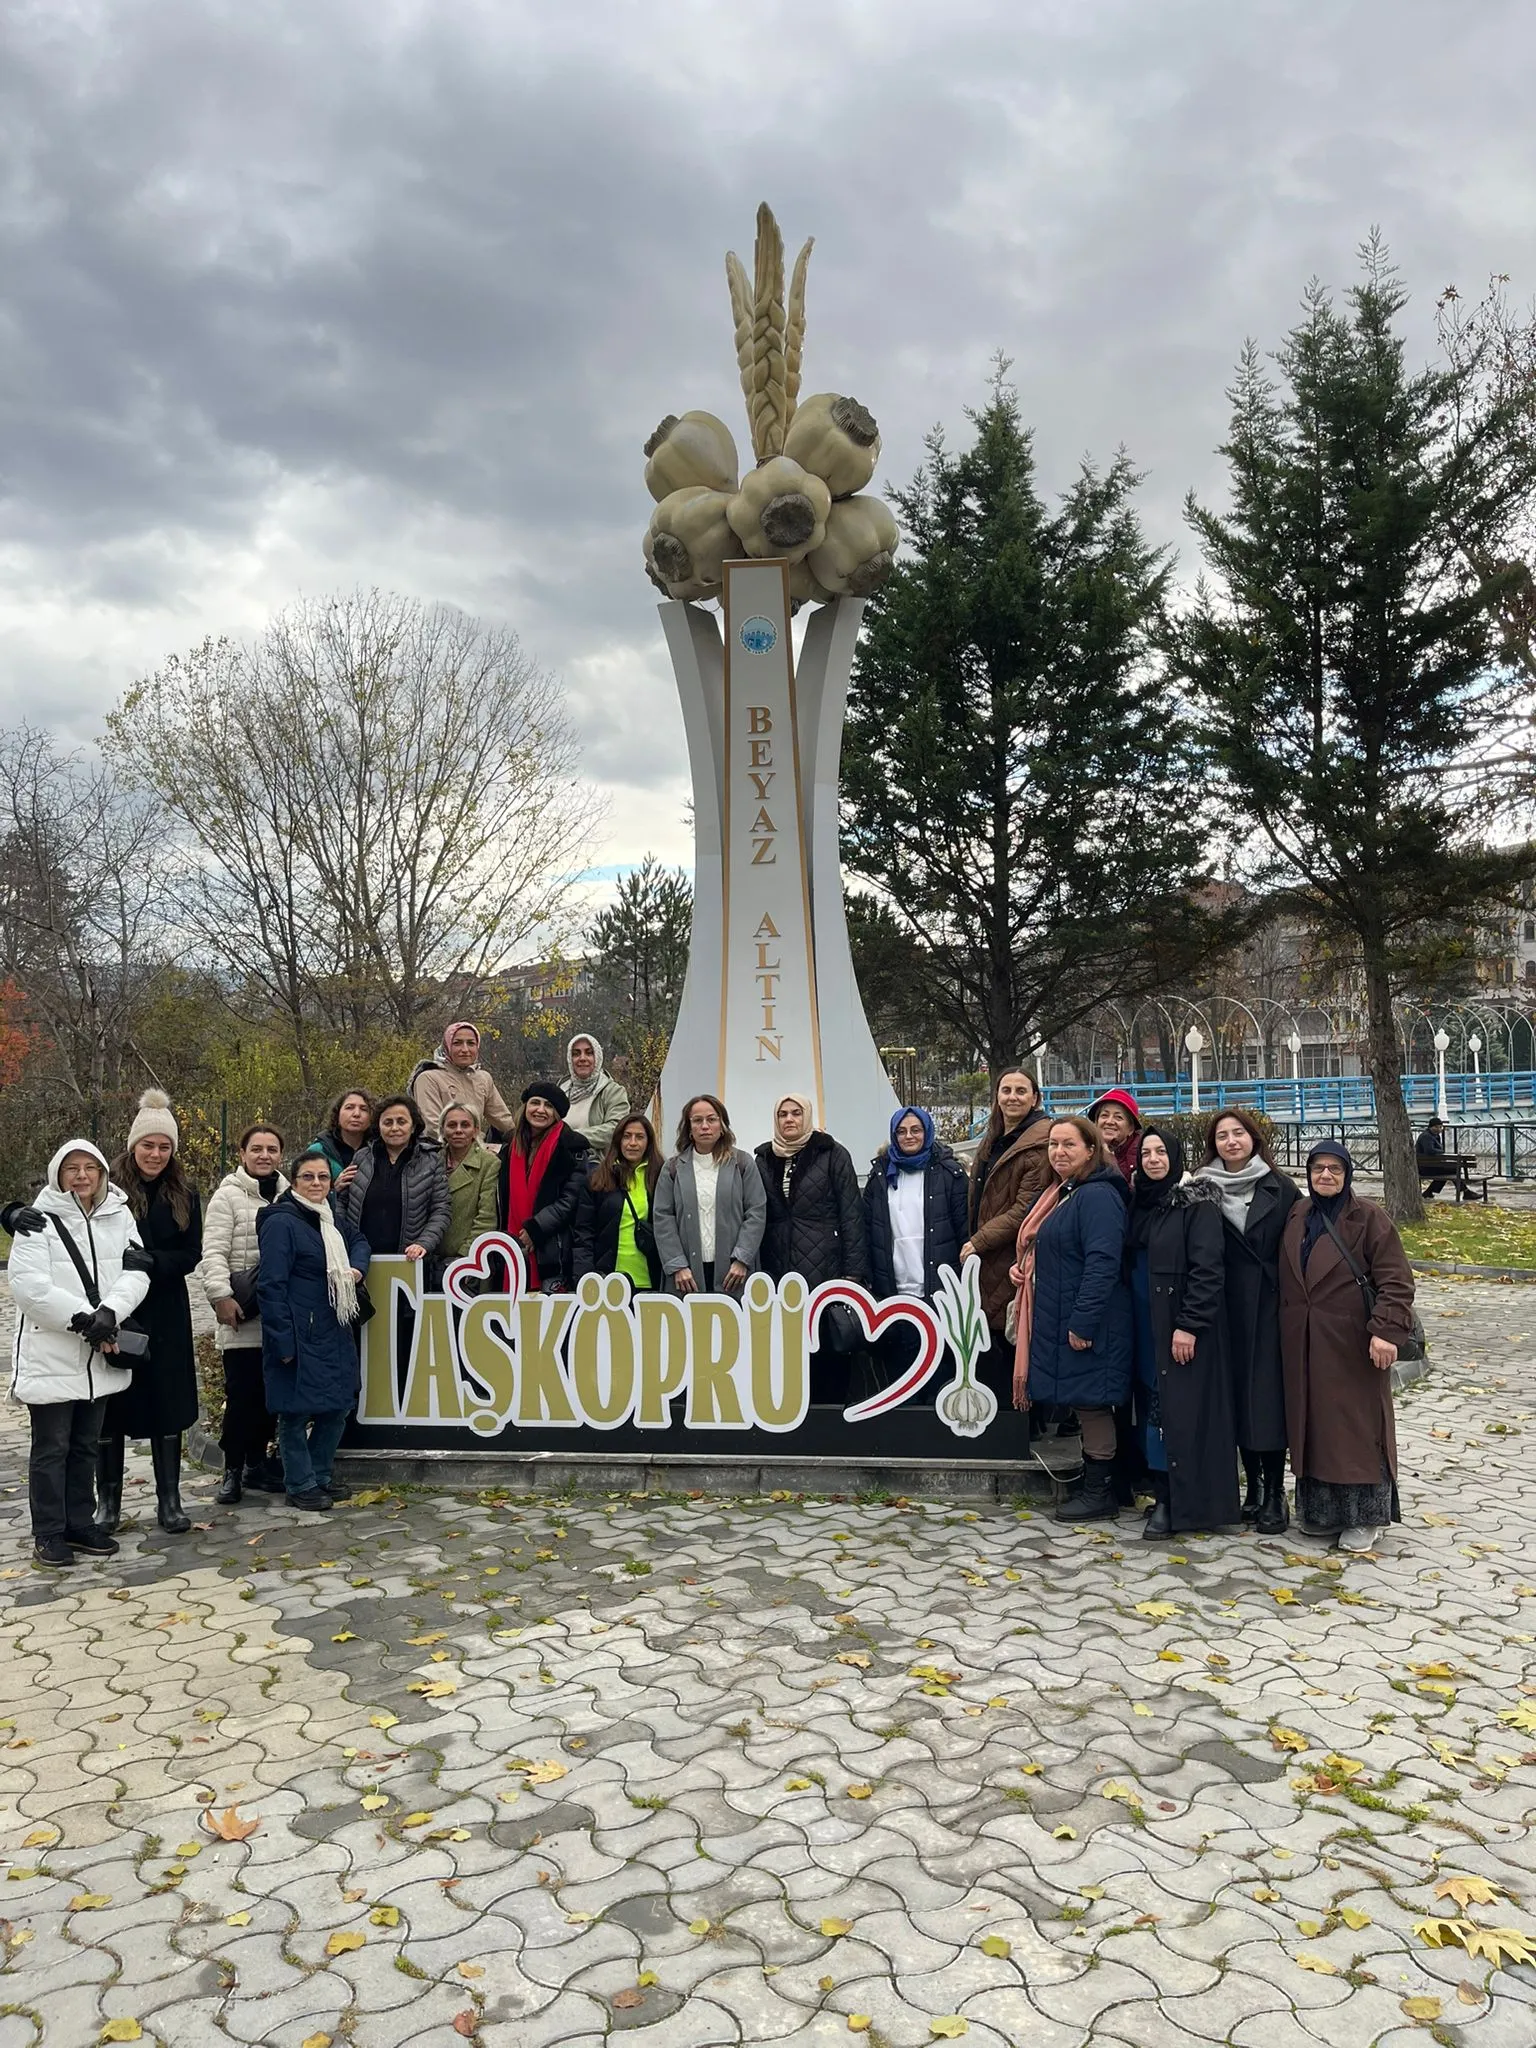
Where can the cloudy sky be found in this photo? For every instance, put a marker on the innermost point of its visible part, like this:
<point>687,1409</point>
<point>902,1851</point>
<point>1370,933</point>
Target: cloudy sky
<point>297,295</point>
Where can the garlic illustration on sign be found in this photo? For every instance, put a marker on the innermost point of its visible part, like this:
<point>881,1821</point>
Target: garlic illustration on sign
<point>804,502</point>
<point>965,1406</point>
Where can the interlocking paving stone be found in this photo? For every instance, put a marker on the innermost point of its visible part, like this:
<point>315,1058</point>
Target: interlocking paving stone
<point>621,1757</point>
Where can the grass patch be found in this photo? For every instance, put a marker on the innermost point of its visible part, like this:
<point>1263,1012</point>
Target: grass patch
<point>1473,1234</point>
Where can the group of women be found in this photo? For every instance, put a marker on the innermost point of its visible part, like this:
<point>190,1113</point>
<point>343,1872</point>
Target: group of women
<point>1189,1323</point>
<point>1180,1322</point>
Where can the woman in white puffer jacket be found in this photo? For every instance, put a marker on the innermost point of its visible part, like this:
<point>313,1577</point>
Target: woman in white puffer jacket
<point>230,1247</point>
<point>66,1342</point>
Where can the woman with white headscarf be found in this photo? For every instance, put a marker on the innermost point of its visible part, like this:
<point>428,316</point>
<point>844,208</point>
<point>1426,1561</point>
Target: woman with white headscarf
<point>598,1102</point>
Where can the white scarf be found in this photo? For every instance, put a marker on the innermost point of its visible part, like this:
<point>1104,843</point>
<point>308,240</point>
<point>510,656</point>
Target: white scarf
<point>1236,1185</point>
<point>578,1091</point>
<point>338,1260</point>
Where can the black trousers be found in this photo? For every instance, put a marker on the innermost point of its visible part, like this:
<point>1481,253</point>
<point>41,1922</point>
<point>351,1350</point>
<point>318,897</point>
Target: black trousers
<point>61,1474</point>
<point>248,1430</point>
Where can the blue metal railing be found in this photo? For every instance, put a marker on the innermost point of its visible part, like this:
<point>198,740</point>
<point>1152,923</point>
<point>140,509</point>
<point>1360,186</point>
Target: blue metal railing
<point>1318,1098</point>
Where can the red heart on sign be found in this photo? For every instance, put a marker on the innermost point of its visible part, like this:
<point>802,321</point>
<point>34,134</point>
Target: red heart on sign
<point>476,1265</point>
<point>875,1316</point>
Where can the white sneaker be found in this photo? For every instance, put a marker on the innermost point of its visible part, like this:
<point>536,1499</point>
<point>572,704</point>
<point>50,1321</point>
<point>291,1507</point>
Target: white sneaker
<point>1360,1539</point>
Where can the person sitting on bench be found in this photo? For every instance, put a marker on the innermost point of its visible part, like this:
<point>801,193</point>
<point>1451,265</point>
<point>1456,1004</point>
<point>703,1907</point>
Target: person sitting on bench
<point>1429,1153</point>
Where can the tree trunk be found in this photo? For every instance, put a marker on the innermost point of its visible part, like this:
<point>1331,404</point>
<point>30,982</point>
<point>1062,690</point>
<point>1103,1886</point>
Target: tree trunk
<point>1399,1169</point>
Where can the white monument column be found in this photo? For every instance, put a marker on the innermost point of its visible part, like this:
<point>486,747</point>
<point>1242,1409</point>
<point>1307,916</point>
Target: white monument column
<point>770,1006</point>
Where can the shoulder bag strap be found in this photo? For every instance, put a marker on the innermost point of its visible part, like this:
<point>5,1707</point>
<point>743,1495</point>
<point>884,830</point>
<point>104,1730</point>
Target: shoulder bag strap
<point>1366,1289</point>
<point>87,1279</point>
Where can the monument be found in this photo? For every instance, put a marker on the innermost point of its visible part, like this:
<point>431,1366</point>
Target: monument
<point>770,1005</point>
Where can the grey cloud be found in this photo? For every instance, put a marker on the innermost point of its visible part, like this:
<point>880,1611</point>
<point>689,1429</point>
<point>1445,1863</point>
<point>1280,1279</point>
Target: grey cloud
<point>431,274</point>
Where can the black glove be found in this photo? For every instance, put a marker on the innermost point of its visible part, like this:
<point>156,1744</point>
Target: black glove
<point>101,1329</point>
<point>137,1260</point>
<point>82,1322</point>
<point>20,1219</point>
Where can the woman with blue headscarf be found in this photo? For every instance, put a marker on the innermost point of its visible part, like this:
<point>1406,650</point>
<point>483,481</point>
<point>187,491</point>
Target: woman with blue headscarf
<point>1346,1303</point>
<point>914,1208</point>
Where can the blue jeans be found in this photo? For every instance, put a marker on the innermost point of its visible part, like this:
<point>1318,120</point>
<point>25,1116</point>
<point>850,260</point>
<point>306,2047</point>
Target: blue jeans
<point>308,1444</point>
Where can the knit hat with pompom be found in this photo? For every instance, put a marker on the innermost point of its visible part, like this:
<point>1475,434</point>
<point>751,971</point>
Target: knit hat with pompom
<point>154,1119</point>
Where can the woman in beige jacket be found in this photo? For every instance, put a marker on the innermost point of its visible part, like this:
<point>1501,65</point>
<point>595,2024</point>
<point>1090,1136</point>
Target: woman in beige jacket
<point>228,1274</point>
<point>454,1074</point>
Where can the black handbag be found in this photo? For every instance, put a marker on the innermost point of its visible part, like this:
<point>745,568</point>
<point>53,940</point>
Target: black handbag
<point>132,1344</point>
<point>242,1288</point>
<point>645,1236</point>
<point>1410,1348</point>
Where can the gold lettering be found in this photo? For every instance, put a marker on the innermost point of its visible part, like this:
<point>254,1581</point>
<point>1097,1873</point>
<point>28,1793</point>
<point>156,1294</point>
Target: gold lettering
<point>762,753</point>
<point>604,1338</point>
<point>663,1357</point>
<point>759,719</point>
<point>768,983</point>
<point>766,928</point>
<point>769,1047</point>
<point>780,1381</point>
<point>762,857</point>
<point>760,784</point>
<point>432,1378</point>
<point>379,1397</point>
<point>542,1395</point>
<point>487,1354</point>
<point>762,822</point>
<point>713,1402</point>
<point>764,964</point>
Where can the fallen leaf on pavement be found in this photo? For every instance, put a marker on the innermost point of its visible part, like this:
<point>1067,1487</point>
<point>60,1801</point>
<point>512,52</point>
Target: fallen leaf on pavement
<point>316,2041</point>
<point>417,1820</point>
<point>465,2022</point>
<point>1496,1944</point>
<point>1467,1891</point>
<point>1421,2008</point>
<point>950,2028</point>
<point>470,1971</point>
<point>1440,1933</point>
<point>1353,1918</point>
<point>385,1916</point>
<point>344,1940</point>
<point>861,1791</point>
<point>1319,1964</point>
<point>237,1919</point>
<point>627,1999</point>
<point>859,1659</point>
<point>121,2030</point>
<point>84,1902</point>
<point>228,1825</point>
<point>375,1802</point>
<point>995,1945</point>
<point>546,1772</point>
<point>1157,1610</point>
<point>1469,1994</point>
<point>1289,1738</point>
<point>861,2022</point>
<point>831,1927</point>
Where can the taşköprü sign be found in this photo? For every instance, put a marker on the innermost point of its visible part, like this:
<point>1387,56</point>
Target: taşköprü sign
<point>486,1363</point>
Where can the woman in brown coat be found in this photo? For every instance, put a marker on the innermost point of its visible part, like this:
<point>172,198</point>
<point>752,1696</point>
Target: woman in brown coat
<point>1338,1351</point>
<point>1008,1176</point>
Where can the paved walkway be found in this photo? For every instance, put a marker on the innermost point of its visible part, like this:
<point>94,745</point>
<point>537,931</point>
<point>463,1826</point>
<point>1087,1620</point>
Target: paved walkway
<point>525,1773</point>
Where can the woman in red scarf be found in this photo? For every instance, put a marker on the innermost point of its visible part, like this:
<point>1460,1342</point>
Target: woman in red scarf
<point>544,1168</point>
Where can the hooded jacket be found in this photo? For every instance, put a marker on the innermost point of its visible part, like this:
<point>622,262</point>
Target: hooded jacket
<point>598,1113</point>
<point>946,1190</point>
<point>229,1246</point>
<point>52,1362</point>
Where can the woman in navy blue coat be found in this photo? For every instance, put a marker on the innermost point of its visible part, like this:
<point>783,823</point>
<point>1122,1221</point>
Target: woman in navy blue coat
<point>1080,1331</point>
<point>307,1284</point>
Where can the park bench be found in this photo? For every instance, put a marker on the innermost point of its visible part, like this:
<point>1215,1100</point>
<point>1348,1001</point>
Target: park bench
<point>1460,1169</point>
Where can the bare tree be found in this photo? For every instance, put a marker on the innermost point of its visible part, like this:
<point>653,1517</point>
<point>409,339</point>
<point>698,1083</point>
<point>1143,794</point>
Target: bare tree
<point>377,798</point>
<point>82,888</point>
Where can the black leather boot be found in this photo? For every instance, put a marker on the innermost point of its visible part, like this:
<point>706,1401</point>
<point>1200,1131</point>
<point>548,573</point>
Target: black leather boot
<point>165,1456</point>
<point>1274,1516</point>
<point>1092,1498</point>
<point>264,1475</point>
<point>1253,1473</point>
<point>1160,1521</point>
<point>228,1495</point>
<point>109,1483</point>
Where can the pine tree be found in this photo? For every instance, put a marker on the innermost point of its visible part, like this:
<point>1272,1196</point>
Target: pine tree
<point>1346,650</point>
<point>1019,784</point>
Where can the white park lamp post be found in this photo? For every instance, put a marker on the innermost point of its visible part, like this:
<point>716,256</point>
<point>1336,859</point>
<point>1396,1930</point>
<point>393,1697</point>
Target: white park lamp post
<point>1293,1046</point>
<point>1475,1047</point>
<point>1442,1042</point>
<point>1194,1040</point>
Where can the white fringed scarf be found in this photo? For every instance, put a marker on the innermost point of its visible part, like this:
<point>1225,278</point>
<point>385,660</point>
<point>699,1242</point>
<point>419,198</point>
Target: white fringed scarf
<point>338,1260</point>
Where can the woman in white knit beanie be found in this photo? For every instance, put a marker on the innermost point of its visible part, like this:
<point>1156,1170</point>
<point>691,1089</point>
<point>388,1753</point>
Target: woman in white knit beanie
<point>161,1401</point>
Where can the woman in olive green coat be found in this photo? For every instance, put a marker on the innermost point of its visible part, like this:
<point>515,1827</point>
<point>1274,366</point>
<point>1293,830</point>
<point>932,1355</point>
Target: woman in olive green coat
<point>472,1169</point>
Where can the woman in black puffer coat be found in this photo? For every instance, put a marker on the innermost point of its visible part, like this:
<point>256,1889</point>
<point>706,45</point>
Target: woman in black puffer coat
<point>399,1199</point>
<point>815,1212</point>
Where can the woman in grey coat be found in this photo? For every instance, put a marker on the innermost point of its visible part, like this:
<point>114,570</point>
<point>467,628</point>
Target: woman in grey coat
<point>709,1208</point>
<point>399,1198</point>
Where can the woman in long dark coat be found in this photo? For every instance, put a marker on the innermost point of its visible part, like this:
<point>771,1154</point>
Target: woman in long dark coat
<point>1256,1199</point>
<point>1009,1174</point>
<point>162,1400</point>
<point>815,1221</point>
<point>1080,1325</point>
<point>1339,1353</point>
<point>1175,1253</point>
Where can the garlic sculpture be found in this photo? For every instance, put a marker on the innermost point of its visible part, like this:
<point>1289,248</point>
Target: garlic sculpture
<point>798,504</point>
